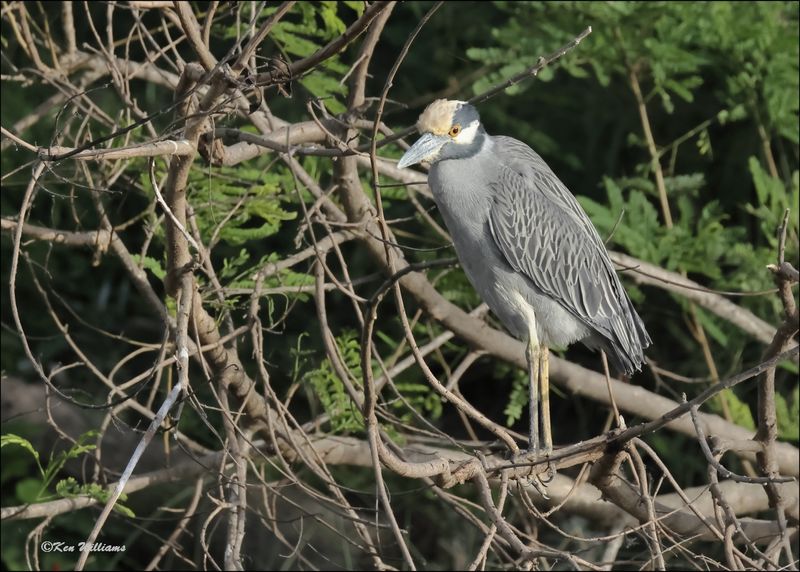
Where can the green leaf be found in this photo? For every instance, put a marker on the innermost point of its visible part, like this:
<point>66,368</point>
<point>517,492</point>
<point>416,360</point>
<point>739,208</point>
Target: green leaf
<point>69,488</point>
<point>150,264</point>
<point>788,415</point>
<point>29,490</point>
<point>355,5</point>
<point>333,23</point>
<point>739,411</point>
<point>76,450</point>
<point>344,416</point>
<point>765,185</point>
<point>518,398</point>
<point>11,439</point>
<point>711,328</point>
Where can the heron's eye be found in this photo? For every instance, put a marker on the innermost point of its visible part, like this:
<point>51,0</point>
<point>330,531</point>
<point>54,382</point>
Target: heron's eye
<point>455,130</point>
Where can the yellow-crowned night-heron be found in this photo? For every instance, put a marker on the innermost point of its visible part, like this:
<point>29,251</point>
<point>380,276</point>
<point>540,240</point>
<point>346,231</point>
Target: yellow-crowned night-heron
<point>527,247</point>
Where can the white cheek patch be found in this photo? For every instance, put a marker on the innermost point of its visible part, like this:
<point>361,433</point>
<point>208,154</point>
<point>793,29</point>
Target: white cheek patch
<point>467,134</point>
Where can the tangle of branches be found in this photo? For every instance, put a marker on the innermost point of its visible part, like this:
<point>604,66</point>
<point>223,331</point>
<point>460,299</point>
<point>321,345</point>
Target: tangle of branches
<point>237,395</point>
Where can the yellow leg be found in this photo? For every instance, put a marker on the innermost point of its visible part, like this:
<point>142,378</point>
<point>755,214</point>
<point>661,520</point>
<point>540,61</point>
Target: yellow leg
<point>544,361</point>
<point>533,354</point>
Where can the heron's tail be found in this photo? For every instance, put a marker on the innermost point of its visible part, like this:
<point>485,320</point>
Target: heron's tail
<point>625,347</point>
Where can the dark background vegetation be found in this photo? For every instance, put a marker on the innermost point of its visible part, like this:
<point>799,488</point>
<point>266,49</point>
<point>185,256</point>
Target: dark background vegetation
<point>720,83</point>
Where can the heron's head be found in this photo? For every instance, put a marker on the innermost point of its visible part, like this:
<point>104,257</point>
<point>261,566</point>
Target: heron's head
<point>449,129</point>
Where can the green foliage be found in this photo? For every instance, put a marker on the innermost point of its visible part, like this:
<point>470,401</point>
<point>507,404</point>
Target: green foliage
<point>329,389</point>
<point>242,204</point>
<point>69,488</point>
<point>150,264</point>
<point>454,286</point>
<point>11,439</point>
<point>232,205</point>
<point>773,200</point>
<point>698,242</point>
<point>300,37</point>
<point>239,272</point>
<point>753,46</point>
<point>518,398</point>
<point>33,490</point>
<point>788,414</point>
<point>344,416</point>
<point>701,241</point>
<point>712,328</point>
<point>421,397</point>
<point>728,402</point>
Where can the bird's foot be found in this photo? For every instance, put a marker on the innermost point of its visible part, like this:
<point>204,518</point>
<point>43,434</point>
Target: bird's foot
<point>540,475</point>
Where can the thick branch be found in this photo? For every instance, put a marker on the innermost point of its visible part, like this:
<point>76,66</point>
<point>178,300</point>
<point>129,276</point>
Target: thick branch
<point>585,500</point>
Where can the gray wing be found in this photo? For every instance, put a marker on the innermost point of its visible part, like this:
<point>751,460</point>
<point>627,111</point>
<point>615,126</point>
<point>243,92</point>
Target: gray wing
<point>544,233</point>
